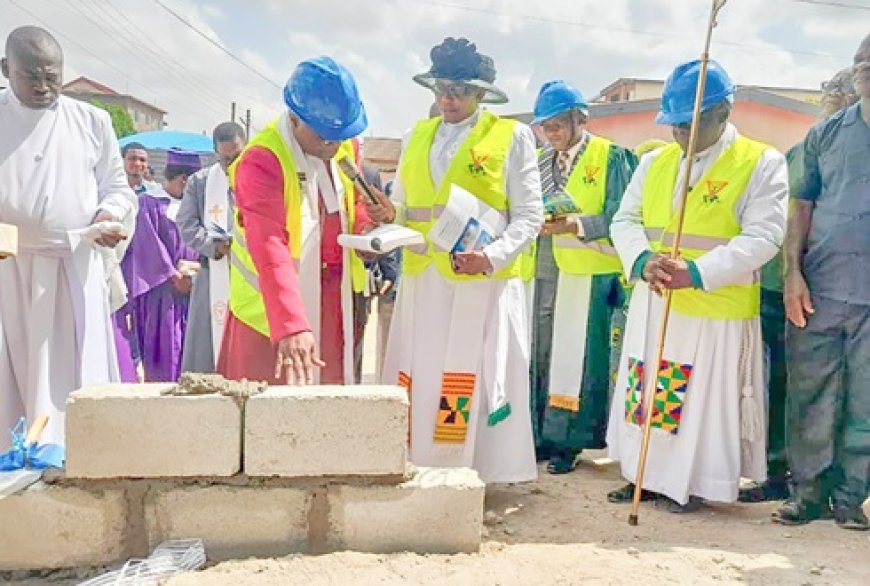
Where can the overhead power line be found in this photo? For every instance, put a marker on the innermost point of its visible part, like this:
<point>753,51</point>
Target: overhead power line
<point>216,44</point>
<point>833,4</point>
<point>575,23</point>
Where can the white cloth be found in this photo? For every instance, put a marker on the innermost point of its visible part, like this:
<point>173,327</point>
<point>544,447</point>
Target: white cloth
<point>503,452</point>
<point>58,168</point>
<point>707,457</point>
<point>318,185</point>
<point>217,188</point>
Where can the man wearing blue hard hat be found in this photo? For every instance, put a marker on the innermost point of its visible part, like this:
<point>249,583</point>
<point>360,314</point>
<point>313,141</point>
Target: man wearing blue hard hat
<point>576,271</point>
<point>459,341</point>
<point>708,426</point>
<point>291,283</point>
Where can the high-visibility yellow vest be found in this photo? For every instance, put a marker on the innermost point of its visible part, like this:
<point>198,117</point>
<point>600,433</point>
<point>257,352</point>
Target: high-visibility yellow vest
<point>477,166</point>
<point>710,221</point>
<point>587,186</point>
<point>246,299</point>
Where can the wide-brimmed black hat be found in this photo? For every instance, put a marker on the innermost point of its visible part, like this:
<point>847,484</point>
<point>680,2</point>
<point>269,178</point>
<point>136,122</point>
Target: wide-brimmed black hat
<point>458,60</point>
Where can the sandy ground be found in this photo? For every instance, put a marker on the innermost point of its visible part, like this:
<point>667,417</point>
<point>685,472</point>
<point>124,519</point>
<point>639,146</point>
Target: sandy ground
<point>561,530</point>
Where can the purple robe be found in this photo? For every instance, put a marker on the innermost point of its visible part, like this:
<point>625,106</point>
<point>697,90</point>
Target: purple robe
<point>126,342</point>
<point>158,309</point>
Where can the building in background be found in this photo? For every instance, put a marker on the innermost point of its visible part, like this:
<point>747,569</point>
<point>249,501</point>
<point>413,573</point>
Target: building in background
<point>382,154</point>
<point>145,116</point>
<point>625,112</point>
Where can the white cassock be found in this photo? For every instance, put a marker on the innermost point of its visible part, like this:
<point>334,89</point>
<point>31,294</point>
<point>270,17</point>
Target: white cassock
<point>503,452</point>
<point>710,452</point>
<point>58,168</point>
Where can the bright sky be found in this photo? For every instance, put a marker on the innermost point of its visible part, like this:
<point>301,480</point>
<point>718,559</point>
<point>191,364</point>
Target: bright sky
<point>140,47</point>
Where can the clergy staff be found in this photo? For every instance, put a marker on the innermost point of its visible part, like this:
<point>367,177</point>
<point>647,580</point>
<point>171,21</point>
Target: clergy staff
<point>60,172</point>
<point>459,338</point>
<point>707,408</point>
<point>291,283</point>
<point>577,288</point>
<point>205,219</point>
<point>158,269</point>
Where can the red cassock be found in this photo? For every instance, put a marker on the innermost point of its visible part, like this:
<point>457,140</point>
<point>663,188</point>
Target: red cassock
<point>245,353</point>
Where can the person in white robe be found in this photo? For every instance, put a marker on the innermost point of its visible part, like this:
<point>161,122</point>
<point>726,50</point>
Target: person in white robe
<point>707,412</point>
<point>62,184</point>
<point>204,220</point>
<point>459,339</point>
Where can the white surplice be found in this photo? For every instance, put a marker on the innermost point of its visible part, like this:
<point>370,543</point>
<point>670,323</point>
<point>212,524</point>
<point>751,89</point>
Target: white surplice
<point>709,454</point>
<point>58,168</point>
<point>503,452</point>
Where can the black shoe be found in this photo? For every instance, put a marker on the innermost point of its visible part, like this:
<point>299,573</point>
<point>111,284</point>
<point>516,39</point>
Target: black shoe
<point>798,512</point>
<point>626,494</point>
<point>769,490</point>
<point>693,505</point>
<point>562,462</point>
<point>851,517</point>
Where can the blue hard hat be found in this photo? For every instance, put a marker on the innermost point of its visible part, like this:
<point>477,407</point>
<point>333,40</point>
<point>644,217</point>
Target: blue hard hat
<point>324,96</point>
<point>555,98</point>
<point>678,97</point>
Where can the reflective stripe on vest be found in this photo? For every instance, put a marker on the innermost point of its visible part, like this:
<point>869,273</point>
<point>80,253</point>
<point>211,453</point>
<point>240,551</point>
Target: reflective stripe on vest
<point>710,221</point>
<point>246,299</point>
<point>477,167</point>
<point>587,185</point>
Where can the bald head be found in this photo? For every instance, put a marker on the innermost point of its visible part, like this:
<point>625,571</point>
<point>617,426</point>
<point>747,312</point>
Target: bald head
<point>33,64</point>
<point>861,70</point>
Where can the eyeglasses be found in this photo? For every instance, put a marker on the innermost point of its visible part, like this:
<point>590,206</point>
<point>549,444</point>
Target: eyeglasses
<point>452,90</point>
<point>704,118</point>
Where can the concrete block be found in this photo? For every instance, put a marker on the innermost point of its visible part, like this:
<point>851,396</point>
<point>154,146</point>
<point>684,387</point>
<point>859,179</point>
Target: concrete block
<point>50,527</point>
<point>440,510</point>
<point>327,431</point>
<point>131,431</point>
<point>233,522</point>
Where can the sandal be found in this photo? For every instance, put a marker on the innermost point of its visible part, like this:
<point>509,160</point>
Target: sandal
<point>795,512</point>
<point>766,491</point>
<point>626,494</point>
<point>852,518</point>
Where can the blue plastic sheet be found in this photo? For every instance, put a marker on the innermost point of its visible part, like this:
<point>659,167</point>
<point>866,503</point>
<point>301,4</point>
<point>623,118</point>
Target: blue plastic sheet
<point>31,456</point>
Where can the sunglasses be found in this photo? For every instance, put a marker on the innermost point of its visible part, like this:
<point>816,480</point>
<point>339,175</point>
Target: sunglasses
<point>837,87</point>
<point>452,90</point>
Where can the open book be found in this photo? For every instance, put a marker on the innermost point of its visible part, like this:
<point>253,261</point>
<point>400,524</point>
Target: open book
<point>382,239</point>
<point>558,204</point>
<point>466,224</point>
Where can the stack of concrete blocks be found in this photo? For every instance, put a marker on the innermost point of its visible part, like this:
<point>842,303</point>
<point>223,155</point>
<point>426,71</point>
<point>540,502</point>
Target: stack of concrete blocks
<point>293,470</point>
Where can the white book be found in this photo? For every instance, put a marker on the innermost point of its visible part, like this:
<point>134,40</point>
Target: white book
<point>466,223</point>
<point>8,240</point>
<point>383,239</point>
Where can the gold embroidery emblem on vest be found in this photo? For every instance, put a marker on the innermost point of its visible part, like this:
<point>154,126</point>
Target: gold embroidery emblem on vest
<point>714,188</point>
<point>590,175</point>
<point>475,167</point>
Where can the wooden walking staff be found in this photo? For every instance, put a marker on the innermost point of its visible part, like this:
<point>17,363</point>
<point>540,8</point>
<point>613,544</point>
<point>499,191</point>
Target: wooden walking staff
<point>675,253</point>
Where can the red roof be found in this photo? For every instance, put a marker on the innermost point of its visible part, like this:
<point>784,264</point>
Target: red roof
<point>103,89</point>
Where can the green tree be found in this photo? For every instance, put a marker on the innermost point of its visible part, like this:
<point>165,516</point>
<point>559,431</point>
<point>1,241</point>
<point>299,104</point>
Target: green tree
<point>122,123</point>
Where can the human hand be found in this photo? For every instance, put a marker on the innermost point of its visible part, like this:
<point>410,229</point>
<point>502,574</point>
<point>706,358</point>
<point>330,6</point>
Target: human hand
<point>563,225</point>
<point>386,287</point>
<point>797,300</point>
<point>221,249</point>
<point>662,272</point>
<point>182,283</point>
<point>383,212</point>
<point>108,239</point>
<point>297,358</point>
<point>471,263</point>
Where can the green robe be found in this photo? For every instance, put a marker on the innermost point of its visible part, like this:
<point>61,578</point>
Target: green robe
<point>558,428</point>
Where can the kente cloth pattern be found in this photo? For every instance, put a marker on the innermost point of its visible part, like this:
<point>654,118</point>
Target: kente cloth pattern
<point>671,385</point>
<point>634,392</point>
<point>454,409</point>
<point>405,382</point>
